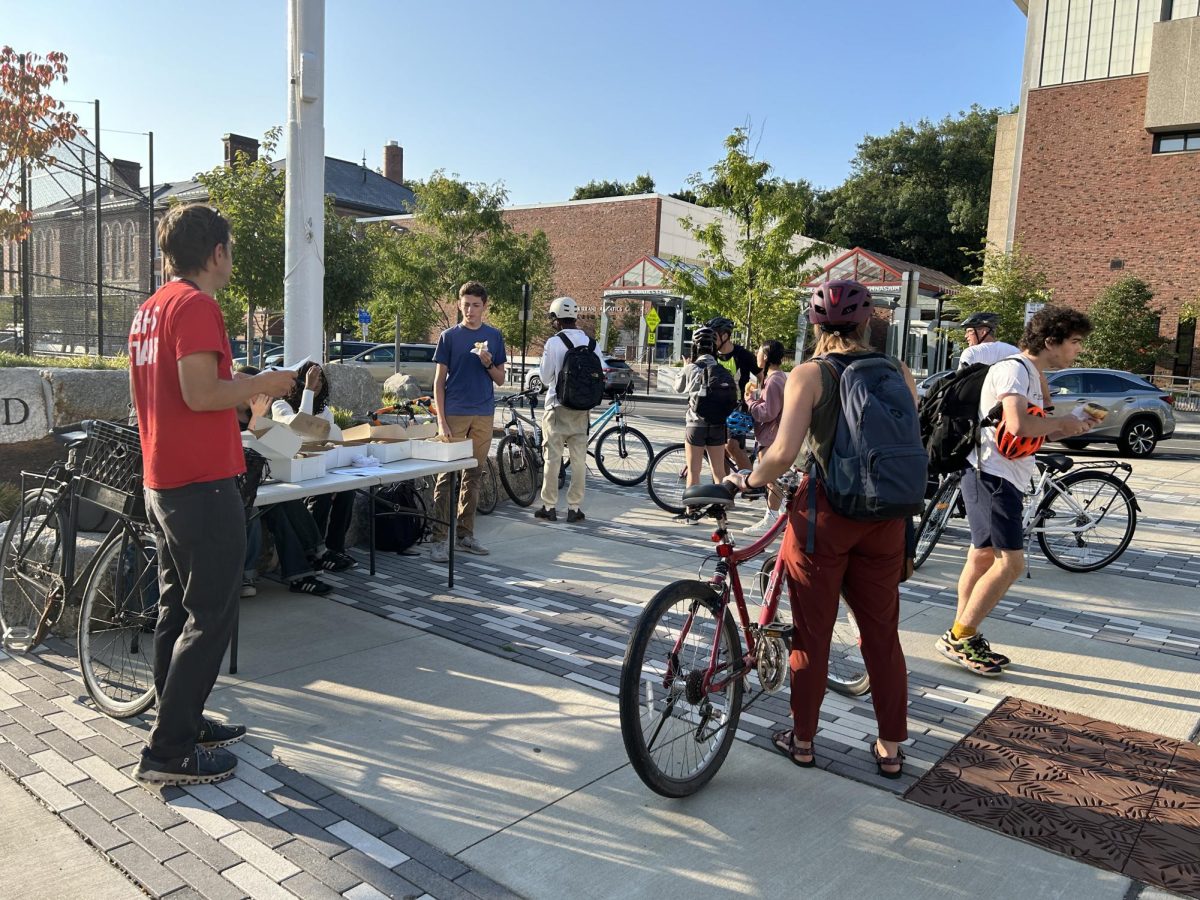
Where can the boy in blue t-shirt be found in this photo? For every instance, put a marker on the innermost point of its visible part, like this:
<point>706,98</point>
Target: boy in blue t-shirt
<point>470,363</point>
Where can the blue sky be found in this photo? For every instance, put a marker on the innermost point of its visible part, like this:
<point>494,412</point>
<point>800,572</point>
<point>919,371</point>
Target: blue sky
<point>541,95</point>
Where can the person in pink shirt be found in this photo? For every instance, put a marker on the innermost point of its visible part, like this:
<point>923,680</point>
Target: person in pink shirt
<point>765,403</point>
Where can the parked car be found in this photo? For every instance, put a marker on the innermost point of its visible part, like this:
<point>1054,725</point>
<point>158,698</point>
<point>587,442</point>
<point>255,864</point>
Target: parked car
<point>386,360</point>
<point>1139,414</point>
<point>241,350</point>
<point>618,378</point>
<point>337,350</point>
<point>925,385</point>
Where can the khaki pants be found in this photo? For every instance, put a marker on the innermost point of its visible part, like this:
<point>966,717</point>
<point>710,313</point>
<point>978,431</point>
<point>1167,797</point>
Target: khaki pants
<point>564,426</point>
<point>478,430</point>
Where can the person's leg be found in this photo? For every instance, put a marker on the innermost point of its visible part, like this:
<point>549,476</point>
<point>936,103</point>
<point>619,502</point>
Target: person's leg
<point>441,489</point>
<point>1006,568</point>
<point>552,447</point>
<point>340,514</point>
<point>478,430</point>
<point>294,560</point>
<point>872,591</point>
<point>171,614</point>
<point>576,422</point>
<point>737,452</point>
<point>204,527</point>
<point>320,507</point>
<point>716,460</point>
<point>979,560</point>
<point>302,523</point>
<point>695,463</point>
<point>814,582</point>
<point>254,544</point>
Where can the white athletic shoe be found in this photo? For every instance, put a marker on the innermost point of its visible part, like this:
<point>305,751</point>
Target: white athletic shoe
<point>762,526</point>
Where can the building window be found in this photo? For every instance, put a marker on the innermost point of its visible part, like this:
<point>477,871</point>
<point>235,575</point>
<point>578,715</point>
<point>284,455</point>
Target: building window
<point>1092,39</point>
<point>1185,9</point>
<point>1177,142</point>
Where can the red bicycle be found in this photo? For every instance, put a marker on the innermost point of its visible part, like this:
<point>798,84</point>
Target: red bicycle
<point>685,673</point>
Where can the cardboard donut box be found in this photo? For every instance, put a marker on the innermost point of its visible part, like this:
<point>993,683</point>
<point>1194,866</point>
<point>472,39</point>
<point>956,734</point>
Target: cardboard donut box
<point>302,449</point>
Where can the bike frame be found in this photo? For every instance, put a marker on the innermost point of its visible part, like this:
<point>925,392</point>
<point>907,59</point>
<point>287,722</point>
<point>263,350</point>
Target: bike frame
<point>726,579</point>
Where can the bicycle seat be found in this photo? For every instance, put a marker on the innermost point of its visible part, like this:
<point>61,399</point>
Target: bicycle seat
<point>71,435</point>
<point>708,495</point>
<point>1056,462</point>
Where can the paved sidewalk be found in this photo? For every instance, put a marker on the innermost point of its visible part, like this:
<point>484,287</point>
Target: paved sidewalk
<point>411,741</point>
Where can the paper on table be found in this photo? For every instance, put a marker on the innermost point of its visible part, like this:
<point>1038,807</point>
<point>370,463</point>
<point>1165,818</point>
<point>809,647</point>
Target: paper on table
<point>358,473</point>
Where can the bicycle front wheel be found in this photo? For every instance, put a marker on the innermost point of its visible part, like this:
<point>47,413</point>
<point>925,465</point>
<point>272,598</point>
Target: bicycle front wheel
<point>667,478</point>
<point>678,713</point>
<point>1088,522</point>
<point>935,517</point>
<point>519,472</point>
<point>489,490</point>
<point>31,570</point>
<point>116,624</point>
<point>847,673</point>
<point>623,455</point>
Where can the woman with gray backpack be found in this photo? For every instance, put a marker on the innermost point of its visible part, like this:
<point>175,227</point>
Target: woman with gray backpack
<point>712,396</point>
<point>855,413</point>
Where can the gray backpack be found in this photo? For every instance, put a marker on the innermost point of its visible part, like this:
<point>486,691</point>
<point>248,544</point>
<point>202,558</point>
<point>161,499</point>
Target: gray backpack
<point>877,465</point>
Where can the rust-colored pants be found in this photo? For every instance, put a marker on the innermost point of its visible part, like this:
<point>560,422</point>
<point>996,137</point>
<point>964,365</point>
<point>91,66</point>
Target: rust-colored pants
<point>863,560</point>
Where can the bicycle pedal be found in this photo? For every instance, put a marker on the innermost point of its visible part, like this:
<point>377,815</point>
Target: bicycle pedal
<point>777,630</point>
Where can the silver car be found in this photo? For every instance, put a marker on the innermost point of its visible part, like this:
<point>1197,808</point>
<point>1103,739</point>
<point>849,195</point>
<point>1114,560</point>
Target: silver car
<point>1139,414</point>
<point>618,378</point>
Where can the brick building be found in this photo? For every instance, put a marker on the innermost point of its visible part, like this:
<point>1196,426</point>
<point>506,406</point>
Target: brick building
<point>1097,176</point>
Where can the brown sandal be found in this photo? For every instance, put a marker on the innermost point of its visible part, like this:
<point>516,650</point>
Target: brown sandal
<point>785,743</point>
<point>881,761</point>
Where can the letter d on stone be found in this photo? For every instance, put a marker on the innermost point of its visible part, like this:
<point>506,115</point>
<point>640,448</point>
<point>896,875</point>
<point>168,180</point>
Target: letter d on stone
<point>8,411</point>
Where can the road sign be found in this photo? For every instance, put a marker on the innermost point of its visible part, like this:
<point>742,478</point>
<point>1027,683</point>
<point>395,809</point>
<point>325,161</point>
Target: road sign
<point>652,321</point>
<point>650,338</point>
<point>364,317</point>
<point>1032,309</point>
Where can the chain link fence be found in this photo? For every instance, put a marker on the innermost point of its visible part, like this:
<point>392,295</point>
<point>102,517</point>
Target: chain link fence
<point>74,284</point>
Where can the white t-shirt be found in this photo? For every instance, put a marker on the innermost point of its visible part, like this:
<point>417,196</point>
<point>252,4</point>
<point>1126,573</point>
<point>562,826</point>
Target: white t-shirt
<point>989,353</point>
<point>1009,377</point>
<point>553,355</point>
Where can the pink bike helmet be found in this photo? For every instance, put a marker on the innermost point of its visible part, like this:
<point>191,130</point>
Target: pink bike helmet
<point>839,306</point>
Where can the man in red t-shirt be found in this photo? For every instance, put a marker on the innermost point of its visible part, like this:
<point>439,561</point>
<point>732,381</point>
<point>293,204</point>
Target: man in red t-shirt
<point>185,397</point>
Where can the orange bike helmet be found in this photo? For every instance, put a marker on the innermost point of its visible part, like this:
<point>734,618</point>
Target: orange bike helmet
<point>1013,447</point>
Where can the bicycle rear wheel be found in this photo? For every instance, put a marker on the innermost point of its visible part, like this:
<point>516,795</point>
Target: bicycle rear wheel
<point>677,729</point>
<point>667,478</point>
<point>519,472</point>
<point>933,520</point>
<point>1088,526</point>
<point>31,570</point>
<point>116,624</point>
<point>847,672</point>
<point>623,455</point>
<point>489,489</point>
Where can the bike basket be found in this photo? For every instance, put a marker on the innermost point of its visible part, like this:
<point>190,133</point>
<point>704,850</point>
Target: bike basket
<point>257,471</point>
<point>111,474</point>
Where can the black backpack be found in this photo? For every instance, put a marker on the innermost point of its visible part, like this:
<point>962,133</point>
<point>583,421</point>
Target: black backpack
<point>718,395</point>
<point>580,383</point>
<point>400,517</point>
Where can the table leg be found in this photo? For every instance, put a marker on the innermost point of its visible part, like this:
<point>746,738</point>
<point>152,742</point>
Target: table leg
<point>452,538</point>
<point>371,525</point>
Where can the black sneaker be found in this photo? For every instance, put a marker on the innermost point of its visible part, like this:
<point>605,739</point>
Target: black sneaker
<point>310,585</point>
<point>971,653</point>
<point>550,515</point>
<point>215,734</point>
<point>335,561</point>
<point>200,767</point>
<point>575,515</point>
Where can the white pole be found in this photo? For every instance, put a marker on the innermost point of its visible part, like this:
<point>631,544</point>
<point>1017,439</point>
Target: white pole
<point>304,196</point>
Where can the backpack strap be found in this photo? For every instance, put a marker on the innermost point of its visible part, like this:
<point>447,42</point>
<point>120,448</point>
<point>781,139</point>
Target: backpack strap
<point>566,340</point>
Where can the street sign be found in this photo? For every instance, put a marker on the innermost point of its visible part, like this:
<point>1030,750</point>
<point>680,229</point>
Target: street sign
<point>1032,309</point>
<point>364,317</point>
<point>650,338</point>
<point>618,353</point>
<point>652,321</point>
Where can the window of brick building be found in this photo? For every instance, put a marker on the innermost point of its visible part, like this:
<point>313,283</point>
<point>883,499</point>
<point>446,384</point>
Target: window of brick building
<point>1177,142</point>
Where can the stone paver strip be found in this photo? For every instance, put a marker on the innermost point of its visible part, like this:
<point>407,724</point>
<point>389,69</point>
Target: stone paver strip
<point>103,772</point>
<point>213,823</point>
<point>204,846</point>
<point>87,822</point>
<point>256,884</point>
<point>382,853</point>
<point>152,875</point>
<point>252,797</point>
<point>53,794</point>
<point>204,879</point>
<point>259,855</point>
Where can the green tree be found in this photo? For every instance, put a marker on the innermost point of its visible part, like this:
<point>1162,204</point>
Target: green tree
<point>1006,281</point>
<point>752,271</point>
<point>457,234</point>
<point>594,190</point>
<point>349,263</point>
<point>920,193</point>
<point>1124,328</point>
<point>249,194</point>
<point>32,123</point>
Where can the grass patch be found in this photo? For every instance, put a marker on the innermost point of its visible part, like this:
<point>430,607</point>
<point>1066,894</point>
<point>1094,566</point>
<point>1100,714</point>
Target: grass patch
<point>16,360</point>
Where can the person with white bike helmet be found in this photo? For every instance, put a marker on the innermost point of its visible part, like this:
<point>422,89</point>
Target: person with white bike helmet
<point>562,425</point>
<point>982,344</point>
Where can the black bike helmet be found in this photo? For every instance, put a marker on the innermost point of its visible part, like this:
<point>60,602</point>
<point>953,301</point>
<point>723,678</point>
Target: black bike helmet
<point>704,341</point>
<point>982,320</point>
<point>721,324</point>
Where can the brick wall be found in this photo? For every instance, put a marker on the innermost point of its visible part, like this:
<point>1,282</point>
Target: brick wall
<point>1091,191</point>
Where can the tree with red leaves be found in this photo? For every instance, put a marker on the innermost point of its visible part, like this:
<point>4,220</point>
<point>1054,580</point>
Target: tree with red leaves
<point>32,124</point>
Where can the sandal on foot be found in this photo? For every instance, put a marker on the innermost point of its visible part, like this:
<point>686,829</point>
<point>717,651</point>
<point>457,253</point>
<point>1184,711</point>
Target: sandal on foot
<point>881,761</point>
<point>785,743</point>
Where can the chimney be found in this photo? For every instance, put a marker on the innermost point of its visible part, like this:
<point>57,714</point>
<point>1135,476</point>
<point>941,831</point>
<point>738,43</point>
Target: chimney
<point>393,162</point>
<point>127,171</point>
<point>235,143</point>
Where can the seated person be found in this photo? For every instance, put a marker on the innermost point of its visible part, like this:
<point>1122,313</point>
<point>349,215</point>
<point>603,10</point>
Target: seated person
<point>297,538</point>
<point>332,512</point>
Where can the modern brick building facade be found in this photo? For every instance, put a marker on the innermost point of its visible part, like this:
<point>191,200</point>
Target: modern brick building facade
<point>1105,165</point>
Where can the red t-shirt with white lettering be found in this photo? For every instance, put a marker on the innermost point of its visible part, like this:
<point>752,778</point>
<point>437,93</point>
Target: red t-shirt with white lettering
<point>179,445</point>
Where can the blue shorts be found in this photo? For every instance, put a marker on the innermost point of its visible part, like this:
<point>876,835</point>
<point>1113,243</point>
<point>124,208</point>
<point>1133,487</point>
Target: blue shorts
<point>994,511</point>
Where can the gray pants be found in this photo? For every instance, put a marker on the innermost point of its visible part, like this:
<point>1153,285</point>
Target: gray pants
<point>201,530</point>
